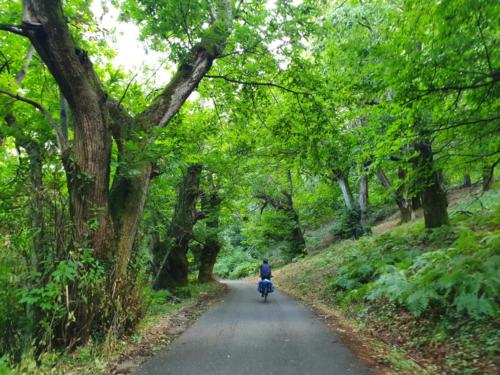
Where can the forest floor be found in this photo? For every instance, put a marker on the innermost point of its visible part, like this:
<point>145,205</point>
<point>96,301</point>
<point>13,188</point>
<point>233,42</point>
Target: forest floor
<point>337,282</point>
<point>167,317</point>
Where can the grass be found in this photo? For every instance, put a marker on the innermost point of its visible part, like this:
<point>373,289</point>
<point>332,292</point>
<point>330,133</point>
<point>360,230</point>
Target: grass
<point>430,297</point>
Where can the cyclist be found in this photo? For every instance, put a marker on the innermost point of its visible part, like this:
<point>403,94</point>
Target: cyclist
<point>265,270</point>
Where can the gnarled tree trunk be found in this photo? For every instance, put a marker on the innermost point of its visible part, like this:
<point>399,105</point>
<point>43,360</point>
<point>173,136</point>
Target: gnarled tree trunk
<point>173,270</point>
<point>210,204</point>
<point>103,219</point>
<point>434,201</point>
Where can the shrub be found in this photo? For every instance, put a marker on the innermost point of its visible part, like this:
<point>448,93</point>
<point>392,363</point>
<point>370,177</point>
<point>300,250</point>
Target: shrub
<point>349,225</point>
<point>462,279</point>
<point>236,263</point>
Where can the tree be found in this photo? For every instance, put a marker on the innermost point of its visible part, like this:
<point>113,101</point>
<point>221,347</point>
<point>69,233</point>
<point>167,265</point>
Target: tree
<point>210,205</point>
<point>106,218</point>
<point>173,268</point>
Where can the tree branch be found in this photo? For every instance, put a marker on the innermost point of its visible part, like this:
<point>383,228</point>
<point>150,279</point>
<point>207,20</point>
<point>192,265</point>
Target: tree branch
<point>463,123</point>
<point>13,29</point>
<point>190,73</point>
<point>61,141</point>
<point>254,83</point>
<point>27,60</point>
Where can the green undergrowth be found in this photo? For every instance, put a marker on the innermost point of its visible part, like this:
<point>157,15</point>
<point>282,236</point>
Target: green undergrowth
<point>236,264</point>
<point>96,357</point>
<point>434,294</point>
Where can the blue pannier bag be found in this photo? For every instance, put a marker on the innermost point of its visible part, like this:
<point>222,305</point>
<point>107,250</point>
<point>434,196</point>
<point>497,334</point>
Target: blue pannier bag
<point>265,282</point>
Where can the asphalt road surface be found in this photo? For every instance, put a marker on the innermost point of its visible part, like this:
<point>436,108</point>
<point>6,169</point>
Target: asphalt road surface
<point>243,335</point>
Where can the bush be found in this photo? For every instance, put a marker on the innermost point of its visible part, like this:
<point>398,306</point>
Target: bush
<point>235,264</point>
<point>349,225</point>
<point>462,279</point>
<point>243,270</point>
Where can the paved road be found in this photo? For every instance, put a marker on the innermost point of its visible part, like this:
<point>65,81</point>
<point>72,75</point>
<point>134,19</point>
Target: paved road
<point>244,335</point>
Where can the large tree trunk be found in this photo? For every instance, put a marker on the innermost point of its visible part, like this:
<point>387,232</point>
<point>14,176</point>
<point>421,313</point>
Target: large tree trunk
<point>210,204</point>
<point>434,200</point>
<point>173,270</point>
<point>104,219</point>
<point>404,204</point>
<point>89,160</point>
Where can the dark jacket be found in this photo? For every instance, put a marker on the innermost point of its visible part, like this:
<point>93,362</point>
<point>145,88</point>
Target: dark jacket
<point>265,271</point>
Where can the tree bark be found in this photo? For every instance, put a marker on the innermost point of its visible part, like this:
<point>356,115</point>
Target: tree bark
<point>467,181</point>
<point>487,177</point>
<point>210,204</point>
<point>173,270</point>
<point>404,204</point>
<point>363,197</point>
<point>434,200</point>
<point>345,188</point>
<point>105,219</point>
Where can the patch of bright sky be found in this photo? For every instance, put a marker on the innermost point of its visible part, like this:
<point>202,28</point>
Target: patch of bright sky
<point>131,53</point>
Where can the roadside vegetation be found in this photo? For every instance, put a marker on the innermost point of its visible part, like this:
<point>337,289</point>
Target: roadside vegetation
<point>434,295</point>
<point>165,317</point>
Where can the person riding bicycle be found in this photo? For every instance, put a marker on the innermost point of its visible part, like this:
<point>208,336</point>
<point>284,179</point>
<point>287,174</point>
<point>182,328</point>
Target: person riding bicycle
<point>265,270</point>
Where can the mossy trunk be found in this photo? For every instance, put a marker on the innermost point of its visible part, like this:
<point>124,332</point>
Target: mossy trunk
<point>210,204</point>
<point>173,270</point>
<point>434,201</point>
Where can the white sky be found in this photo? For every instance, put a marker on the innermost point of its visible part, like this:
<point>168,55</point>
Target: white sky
<point>131,53</point>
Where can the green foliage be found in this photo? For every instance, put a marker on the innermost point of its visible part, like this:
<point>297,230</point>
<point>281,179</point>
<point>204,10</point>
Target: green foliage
<point>434,292</point>
<point>236,264</point>
<point>349,225</point>
<point>459,279</point>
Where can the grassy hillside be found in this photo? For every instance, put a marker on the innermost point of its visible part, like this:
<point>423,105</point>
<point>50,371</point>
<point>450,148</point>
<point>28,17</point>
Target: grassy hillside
<point>432,294</point>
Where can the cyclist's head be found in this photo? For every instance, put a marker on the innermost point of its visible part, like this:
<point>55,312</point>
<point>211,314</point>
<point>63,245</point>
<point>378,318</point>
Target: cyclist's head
<point>265,260</point>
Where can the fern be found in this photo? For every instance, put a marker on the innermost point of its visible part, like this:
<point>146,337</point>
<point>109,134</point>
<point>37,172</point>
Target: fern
<point>418,301</point>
